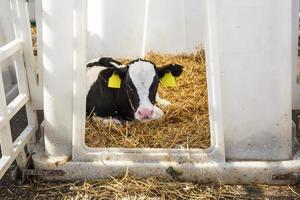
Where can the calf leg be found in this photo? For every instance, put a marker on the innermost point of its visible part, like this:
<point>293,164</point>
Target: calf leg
<point>161,102</point>
<point>158,113</point>
<point>107,121</point>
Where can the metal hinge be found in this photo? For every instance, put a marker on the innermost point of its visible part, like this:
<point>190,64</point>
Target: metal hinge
<point>28,173</point>
<point>290,176</point>
<point>42,172</point>
<point>24,175</point>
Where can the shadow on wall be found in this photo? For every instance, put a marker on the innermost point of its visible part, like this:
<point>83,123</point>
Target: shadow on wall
<point>119,28</point>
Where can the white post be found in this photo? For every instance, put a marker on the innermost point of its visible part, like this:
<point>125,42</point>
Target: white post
<point>58,57</point>
<point>5,133</point>
<point>79,76</point>
<point>254,56</point>
<point>296,70</point>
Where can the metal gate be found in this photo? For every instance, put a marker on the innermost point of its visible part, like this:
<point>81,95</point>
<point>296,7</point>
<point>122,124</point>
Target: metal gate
<point>20,51</point>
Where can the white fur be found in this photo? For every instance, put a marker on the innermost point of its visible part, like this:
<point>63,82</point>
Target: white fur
<point>142,74</point>
<point>158,113</point>
<point>107,121</point>
<point>118,66</point>
<point>162,102</point>
<point>92,76</point>
<point>93,73</point>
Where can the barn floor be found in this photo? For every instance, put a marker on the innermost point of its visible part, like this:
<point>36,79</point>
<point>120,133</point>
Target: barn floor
<point>151,188</point>
<point>185,124</point>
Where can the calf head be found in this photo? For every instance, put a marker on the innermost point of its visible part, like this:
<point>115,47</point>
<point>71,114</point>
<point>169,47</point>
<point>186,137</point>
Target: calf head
<point>142,78</point>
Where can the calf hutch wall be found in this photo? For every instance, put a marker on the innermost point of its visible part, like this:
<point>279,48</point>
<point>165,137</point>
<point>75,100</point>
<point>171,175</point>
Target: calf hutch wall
<point>251,56</point>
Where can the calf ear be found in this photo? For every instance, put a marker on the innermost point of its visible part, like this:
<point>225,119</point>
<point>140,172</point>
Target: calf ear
<point>109,62</point>
<point>121,71</point>
<point>174,69</point>
<point>105,62</point>
<point>117,67</point>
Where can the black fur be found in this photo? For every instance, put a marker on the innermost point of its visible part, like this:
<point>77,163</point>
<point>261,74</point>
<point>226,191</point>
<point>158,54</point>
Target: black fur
<point>121,103</point>
<point>175,70</point>
<point>109,102</point>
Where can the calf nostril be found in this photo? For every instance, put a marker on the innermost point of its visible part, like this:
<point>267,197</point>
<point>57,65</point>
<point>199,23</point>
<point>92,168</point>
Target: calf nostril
<point>145,113</point>
<point>140,113</point>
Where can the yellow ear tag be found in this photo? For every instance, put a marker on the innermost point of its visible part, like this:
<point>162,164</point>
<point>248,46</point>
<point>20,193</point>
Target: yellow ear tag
<point>114,81</point>
<point>168,80</point>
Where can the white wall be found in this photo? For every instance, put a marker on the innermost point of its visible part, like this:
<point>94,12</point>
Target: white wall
<point>127,28</point>
<point>115,28</point>
<point>250,51</point>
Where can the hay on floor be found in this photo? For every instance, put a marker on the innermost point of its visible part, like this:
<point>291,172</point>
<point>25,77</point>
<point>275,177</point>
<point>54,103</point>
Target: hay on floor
<point>185,124</point>
<point>152,188</point>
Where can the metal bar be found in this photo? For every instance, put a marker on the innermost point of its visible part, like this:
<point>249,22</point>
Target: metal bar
<point>24,88</point>
<point>5,133</point>
<point>17,104</point>
<point>13,108</point>
<point>10,49</point>
<point>3,163</point>
<point>6,140</point>
<point>18,146</point>
<point>10,150</point>
<point>21,73</point>
<point>41,172</point>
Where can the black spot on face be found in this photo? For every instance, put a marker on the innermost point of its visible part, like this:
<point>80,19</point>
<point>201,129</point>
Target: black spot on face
<point>132,93</point>
<point>153,89</point>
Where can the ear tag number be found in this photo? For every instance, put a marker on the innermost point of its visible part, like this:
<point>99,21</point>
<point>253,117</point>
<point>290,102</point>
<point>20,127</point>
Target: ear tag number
<point>114,81</point>
<point>168,80</point>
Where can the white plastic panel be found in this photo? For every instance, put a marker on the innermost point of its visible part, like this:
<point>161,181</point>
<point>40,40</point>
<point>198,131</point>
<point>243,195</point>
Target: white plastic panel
<point>128,28</point>
<point>254,54</point>
<point>58,61</point>
<point>166,24</point>
<point>194,23</point>
<point>115,28</point>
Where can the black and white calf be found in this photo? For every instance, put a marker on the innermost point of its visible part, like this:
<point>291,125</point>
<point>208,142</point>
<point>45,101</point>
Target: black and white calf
<point>137,95</point>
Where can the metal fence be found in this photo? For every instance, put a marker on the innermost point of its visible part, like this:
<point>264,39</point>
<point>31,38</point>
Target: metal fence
<point>20,51</point>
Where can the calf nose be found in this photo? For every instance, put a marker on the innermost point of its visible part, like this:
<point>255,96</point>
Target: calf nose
<point>145,113</point>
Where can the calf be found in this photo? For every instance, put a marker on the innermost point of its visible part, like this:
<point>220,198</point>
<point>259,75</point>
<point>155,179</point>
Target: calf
<point>136,96</point>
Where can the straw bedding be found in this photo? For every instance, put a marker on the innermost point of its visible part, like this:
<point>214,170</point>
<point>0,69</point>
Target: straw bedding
<point>185,124</point>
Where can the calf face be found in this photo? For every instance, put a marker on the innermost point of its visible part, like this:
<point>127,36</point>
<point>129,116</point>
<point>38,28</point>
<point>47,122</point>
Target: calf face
<point>140,80</point>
